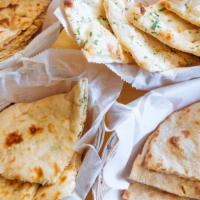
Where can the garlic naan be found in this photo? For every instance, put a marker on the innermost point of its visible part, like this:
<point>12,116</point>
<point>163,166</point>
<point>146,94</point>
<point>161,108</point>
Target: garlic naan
<point>97,42</point>
<point>186,9</point>
<point>148,52</point>
<point>166,27</point>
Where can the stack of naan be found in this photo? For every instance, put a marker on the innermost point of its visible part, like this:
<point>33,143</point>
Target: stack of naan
<point>158,37</point>
<point>20,21</point>
<point>37,160</point>
<point>169,165</point>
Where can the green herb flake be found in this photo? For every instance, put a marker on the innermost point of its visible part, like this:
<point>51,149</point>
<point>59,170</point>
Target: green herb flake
<point>78,31</point>
<point>155,25</point>
<point>187,5</point>
<point>155,21</point>
<point>162,9</point>
<point>84,44</point>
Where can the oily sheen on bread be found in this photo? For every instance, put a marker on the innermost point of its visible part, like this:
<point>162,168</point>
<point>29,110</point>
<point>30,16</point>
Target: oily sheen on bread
<point>36,139</point>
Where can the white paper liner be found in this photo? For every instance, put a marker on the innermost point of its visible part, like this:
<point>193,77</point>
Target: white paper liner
<point>48,35</point>
<point>136,76</point>
<point>130,125</point>
<point>55,71</point>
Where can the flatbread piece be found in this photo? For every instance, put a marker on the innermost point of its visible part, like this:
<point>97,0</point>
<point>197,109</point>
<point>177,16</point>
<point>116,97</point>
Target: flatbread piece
<point>36,139</point>
<point>166,27</point>
<point>139,191</point>
<point>97,42</point>
<point>175,145</point>
<point>186,9</point>
<point>65,184</point>
<point>19,16</point>
<point>148,52</point>
<point>14,190</point>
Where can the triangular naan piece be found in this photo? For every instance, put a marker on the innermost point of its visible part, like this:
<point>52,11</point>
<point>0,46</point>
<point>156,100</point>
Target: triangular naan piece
<point>175,145</point>
<point>65,184</point>
<point>36,139</point>
<point>186,9</point>
<point>148,52</point>
<point>166,27</point>
<point>97,42</point>
<point>166,182</point>
<point>14,190</point>
<point>139,191</point>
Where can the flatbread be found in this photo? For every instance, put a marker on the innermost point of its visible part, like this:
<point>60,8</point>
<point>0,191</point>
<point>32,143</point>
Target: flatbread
<point>166,27</point>
<point>64,186</point>
<point>18,16</point>
<point>175,145</point>
<point>4,3</point>
<point>186,9</point>
<point>169,183</point>
<point>36,139</point>
<point>139,191</point>
<point>22,40</point>
<point>166,182</point>
<point>148,52</point>
<point>98,44</point>
<point>14,190</point>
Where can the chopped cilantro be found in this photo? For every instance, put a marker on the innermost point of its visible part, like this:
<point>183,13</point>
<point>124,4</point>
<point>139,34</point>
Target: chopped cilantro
<point>155,21</point>
<point>162,9</point>
<point>155,25</point>
<point>187,5</point>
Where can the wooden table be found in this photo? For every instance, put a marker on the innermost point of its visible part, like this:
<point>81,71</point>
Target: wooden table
<point>128,93</point>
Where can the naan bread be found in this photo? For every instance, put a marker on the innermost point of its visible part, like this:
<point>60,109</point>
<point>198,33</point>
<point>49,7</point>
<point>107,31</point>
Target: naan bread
<point>65,184</point>
<point>4,3</point>
<point>22,40</point>
<point>175,145</point>
<point>166,27</point>
<point>166,182</point>
<point>139,191</point>
<point>186,9</point>
<point>97,42</point>
<point>19,16</point>
<point>14,190</point>
<point>148,52</point>
<point>36,139</point>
